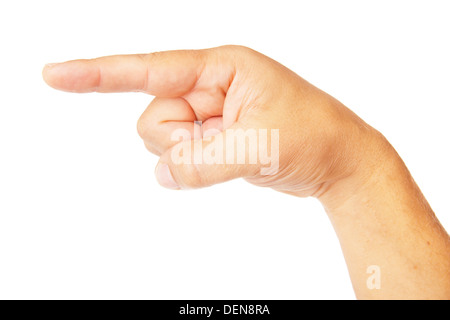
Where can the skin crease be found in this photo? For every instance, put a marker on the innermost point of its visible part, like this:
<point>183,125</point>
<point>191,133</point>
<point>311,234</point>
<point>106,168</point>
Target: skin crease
<point>325,151</point>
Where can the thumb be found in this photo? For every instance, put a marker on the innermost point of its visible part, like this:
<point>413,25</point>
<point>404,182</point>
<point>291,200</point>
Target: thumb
<point>227,155</point>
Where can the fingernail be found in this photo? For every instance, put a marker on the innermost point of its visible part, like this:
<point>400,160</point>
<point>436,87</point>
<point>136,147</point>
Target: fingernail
<point>49,65</point>
<point>164,177</point>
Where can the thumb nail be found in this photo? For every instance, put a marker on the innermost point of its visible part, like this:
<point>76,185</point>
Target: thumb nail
<point>164,176</point>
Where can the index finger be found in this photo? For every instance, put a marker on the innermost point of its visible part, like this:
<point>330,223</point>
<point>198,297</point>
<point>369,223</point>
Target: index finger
<point>164,74</point>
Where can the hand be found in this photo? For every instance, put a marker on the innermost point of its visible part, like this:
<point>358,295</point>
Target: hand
<point>320,149</point>
<point>230,88</point>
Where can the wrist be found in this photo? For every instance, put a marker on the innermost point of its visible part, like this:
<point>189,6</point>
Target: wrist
<point>372,162</point>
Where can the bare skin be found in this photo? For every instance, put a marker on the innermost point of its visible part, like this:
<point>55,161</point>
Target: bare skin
<point>325,151</point>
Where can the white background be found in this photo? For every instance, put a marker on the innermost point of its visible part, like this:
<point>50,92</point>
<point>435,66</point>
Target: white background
<point>81,214</point>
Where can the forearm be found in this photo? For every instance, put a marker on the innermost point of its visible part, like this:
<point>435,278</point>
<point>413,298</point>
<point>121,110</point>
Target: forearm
<point>385,225</point>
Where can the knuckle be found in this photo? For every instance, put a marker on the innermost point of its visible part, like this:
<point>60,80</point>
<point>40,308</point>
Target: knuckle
<point>144,128</point>
<point>238,53</point>
<point>240,50</point>
<point>149,122</point>
<point>152,149</point>
<point>236,47</point>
